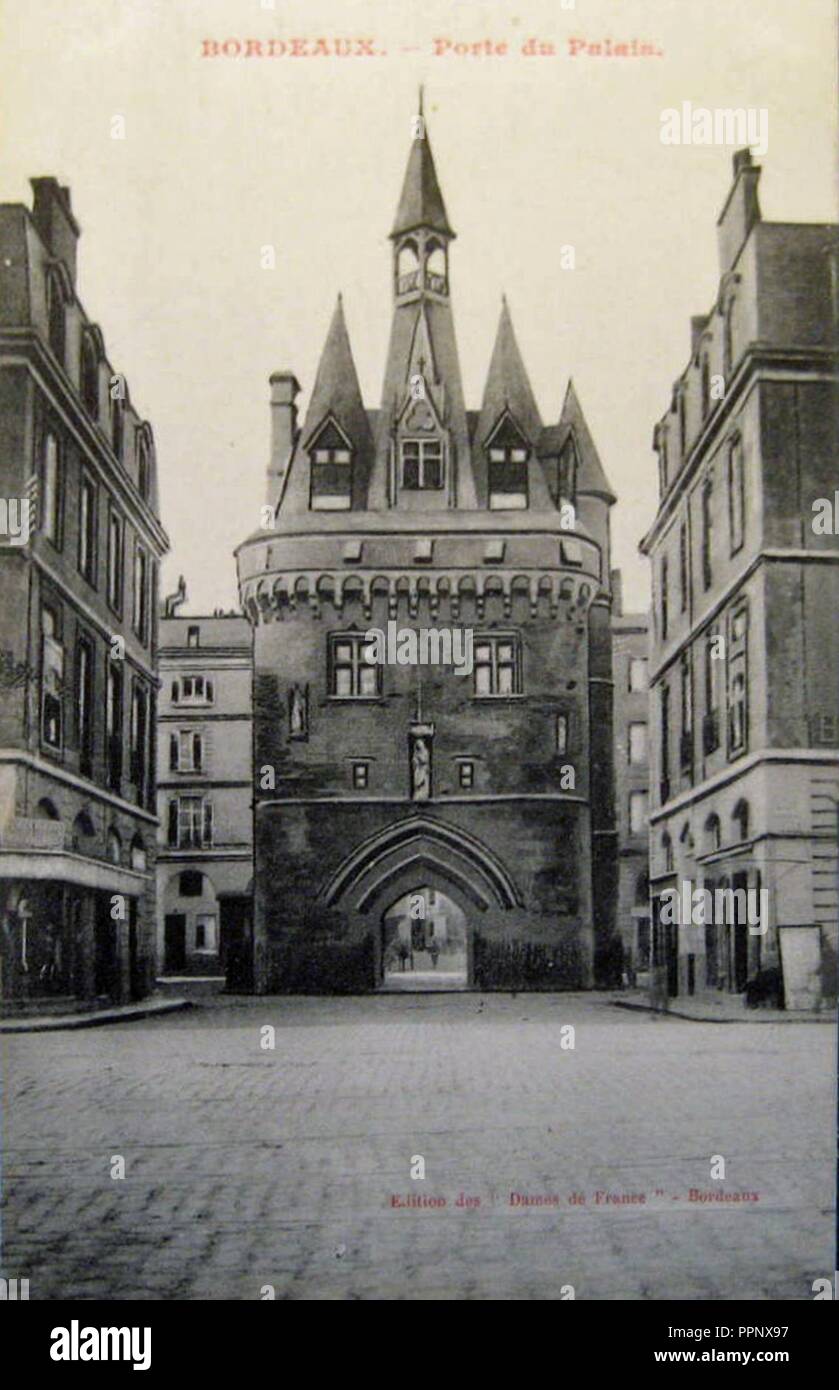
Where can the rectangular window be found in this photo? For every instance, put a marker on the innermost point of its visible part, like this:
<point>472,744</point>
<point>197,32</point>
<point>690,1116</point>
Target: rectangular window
<point>664,729</point>
<point>507,479</point>
<point>113,724</point>
<point>737,681</point>
<point>497,662</point>
<point>205,932</point>
<point>351,675</point>
<point>141,594</point>
<point>664,598</point>
<point>52,681</point>
<point>53,491</point>
<point>190,822</point>
<point>193,636</point>
<point>84,704</point>
<point>638,673</point>
<point>686,740</point>
<point>360,776</point>
<point>683,566</point>
<point>466,775</point>
<point>139,739</point>
<point>707,532</point>
<point>638,806</point>
<point>637,743</point>
<point>87,529</point>
<point>115,560</point>
<point>736,495</point>
<point>422,464</point>
<point>186,751</point>
<point>562,733</point>
<point>193,690</point>
<point>737,705</point>
<point>331,480</point>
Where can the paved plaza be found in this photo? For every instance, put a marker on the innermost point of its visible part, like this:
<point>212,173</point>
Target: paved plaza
<point>291,1168</point>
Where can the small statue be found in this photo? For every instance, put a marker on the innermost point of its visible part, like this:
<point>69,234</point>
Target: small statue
<point>420,771</point>
<point>297,712</point>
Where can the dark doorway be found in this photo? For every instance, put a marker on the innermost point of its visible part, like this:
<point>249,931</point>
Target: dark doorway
<point>235,930</point>
<point>174,943</point>
<point>135,963</point>
<point>741,934</point>
<point>106,979</point>
<point>672,940</point>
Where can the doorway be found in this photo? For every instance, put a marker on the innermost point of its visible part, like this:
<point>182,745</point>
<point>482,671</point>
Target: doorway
<point>424,943</point>
<point>174,943</point>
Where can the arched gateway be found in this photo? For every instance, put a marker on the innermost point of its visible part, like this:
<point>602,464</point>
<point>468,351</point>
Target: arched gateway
<point>430,599</point>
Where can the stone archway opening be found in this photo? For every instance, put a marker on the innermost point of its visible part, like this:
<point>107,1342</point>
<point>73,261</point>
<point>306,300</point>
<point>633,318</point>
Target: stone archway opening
<point>424,942</point>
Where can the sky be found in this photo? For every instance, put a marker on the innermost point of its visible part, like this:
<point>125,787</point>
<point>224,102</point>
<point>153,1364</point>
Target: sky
<point>305,153</point>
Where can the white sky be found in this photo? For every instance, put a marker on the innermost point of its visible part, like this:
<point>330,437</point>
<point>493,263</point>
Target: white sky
<point>224,156</point>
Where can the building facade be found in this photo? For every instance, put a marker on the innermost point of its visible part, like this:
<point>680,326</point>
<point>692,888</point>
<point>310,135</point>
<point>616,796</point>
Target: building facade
<point>78,634</point>
<point>745,654</point>
<point>386,768</point>
<point>205,792</point>
<point>630,666</point>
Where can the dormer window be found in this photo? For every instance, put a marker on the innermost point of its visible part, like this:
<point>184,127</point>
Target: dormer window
<point>508,455</point>
<point>331,472</point>
<point>422,464</point>
<point>507,479</point>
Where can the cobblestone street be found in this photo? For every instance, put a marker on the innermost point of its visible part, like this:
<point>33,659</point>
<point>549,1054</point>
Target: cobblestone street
<point>246,1167</point>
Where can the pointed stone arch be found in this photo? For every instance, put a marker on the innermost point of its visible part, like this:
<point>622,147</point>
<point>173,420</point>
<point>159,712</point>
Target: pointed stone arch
<point>422,845</point>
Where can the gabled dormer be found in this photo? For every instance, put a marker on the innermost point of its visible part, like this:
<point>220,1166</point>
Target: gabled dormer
<point>330,454</point>
<point>508,455</point>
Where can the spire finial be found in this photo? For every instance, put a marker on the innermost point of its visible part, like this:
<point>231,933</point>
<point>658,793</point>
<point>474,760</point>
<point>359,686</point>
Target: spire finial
<point>420,112</point>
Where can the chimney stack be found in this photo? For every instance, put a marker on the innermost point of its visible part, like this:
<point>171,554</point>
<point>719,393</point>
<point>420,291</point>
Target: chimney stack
<point>57,227</point>
<point>284,388</point>
<point>741,210</point>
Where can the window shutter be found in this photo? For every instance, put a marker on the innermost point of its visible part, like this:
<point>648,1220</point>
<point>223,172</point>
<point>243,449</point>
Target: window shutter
<point>206,737</point>
<point>197,753</point>
<point>210,695</point>
<point>208,822</point>
<point>173,821</point>
<point>176,692</point>
<point>173,752</point>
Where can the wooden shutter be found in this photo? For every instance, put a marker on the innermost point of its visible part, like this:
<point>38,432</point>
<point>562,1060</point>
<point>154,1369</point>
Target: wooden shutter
<point>208,822</point>
<point>173,821</point>
<point>173,752</point>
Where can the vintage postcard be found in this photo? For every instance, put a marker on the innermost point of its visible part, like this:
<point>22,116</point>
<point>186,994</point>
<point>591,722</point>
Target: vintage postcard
<point>419,659</point>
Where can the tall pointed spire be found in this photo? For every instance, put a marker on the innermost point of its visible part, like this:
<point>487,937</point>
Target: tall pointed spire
<point>421,203</point>
<point>335,408</point>
<point>508,385</point>
<point>591,477</point>
<point>336,390</point>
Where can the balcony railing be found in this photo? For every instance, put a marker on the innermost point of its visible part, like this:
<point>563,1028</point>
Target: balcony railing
<point>412,280</point>
<point>31,833</point>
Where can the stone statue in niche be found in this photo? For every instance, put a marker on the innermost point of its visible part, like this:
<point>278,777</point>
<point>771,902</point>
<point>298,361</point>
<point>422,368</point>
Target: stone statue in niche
<point>298,716</point>
<point>420,770</point>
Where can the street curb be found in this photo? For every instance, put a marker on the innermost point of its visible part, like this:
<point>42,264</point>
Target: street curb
<point>66,1022</point>
<point>694,1018</point>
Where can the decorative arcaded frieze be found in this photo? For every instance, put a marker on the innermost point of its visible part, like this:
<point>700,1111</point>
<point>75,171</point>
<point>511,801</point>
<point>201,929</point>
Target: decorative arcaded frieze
<point>276,595</point>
